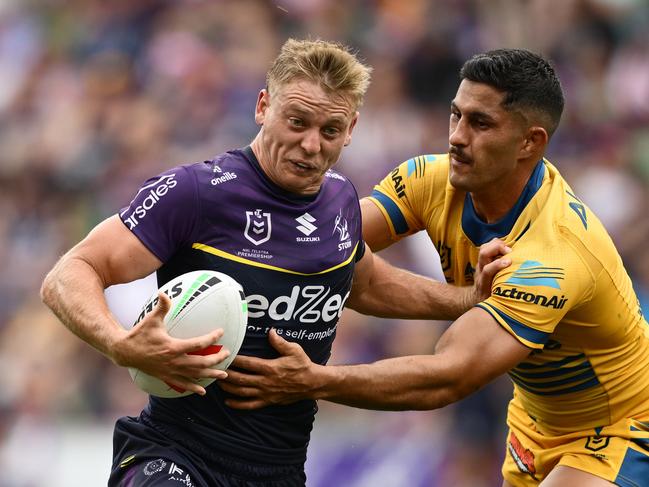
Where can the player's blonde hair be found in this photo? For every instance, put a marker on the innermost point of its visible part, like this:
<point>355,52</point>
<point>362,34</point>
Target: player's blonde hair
<point>330,64</point>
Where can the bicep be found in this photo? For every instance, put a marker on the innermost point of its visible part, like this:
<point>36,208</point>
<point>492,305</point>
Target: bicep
<point>376,230</point>
<point>115,253</point>
<point>363,270</point>
<point>479,349</point>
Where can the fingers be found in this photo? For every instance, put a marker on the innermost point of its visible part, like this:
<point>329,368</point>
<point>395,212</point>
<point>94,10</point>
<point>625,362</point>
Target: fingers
<point>490,270</point>
<point>163,305</point>
<point>251,364</point>
<point>284,347</point>
<point>492,250</point>
<point>182,384</point>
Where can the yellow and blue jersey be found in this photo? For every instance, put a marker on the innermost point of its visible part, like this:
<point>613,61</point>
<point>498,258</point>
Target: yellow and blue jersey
<point>566,295</point>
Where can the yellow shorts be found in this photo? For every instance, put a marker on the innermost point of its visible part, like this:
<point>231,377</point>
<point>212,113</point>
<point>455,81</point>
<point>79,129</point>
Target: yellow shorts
<point>618,453</point>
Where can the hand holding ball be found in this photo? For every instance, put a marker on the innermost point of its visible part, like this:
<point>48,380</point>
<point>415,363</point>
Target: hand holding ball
<point>201,301</point>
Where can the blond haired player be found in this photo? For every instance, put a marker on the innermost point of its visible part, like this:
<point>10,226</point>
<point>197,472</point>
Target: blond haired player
<point>563,320</point>
<point>276,218</point>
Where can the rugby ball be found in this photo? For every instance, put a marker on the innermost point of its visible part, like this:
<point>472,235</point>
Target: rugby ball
<point>201,301</point>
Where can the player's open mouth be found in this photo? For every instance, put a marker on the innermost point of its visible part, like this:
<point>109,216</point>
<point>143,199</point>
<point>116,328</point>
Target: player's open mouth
<point>302,166</point>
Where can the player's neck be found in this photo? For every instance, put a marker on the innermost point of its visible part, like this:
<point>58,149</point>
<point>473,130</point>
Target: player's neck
<point>494,202</point>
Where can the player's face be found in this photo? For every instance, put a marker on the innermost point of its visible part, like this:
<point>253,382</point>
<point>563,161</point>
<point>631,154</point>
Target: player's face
<point>304,128</point>
<point>485,140</point>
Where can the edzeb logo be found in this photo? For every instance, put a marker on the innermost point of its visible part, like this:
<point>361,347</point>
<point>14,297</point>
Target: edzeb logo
<point>156,190</point>
<point>308,304</point>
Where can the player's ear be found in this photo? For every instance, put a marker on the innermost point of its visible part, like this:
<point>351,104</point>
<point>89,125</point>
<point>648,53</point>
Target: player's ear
<point>263,102</point>
<point>535,141</point>
<point>348,136</point>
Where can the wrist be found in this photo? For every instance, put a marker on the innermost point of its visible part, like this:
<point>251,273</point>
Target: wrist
<point>324,377</point>
<point>116,347</point>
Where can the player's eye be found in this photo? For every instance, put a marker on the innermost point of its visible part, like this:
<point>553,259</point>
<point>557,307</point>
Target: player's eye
<point>331,131</point>
<point>296,122</point>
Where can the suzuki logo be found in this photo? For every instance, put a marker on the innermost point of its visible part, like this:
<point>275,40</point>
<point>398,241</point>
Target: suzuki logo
<point>306,224</point>
<point>258,227</point>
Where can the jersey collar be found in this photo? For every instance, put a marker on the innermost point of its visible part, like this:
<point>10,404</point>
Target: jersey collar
<point>480,232</point>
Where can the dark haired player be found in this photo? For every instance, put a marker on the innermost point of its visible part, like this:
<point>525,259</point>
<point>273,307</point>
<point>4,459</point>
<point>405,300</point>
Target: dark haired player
<point>563,320</point>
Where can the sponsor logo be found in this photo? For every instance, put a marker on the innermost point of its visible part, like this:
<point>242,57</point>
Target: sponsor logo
<point>228,176</point>
<point>176,473</point>
<point>308,304</point>
<point>596,443</point>
<point>397,182</point>
<point>340,226</point>
<point>533,273</point>
<point>306,225</point>
<point>545,301</point>
<point>156,190</point>
<point>523,457</point>
<point>154,467</point>
<point>334,175</point>
<point>258,227</point>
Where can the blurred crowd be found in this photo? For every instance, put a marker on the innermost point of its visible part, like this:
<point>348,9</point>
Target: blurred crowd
<point>96,96</point>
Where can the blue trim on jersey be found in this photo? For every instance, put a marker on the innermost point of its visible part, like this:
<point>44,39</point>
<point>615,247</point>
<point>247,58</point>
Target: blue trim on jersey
<point>587,374</point>
<point>584,385</point>
<point>523,331</point>
<point>634,471</point>
<point>397,218</point>
<point>551,373</point>
<point>480,232</point>
<point>556,364</point>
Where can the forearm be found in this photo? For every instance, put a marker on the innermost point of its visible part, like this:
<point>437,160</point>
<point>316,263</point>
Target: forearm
<point>75,293</point>
<point>396,293</point>
<point>405,383</point>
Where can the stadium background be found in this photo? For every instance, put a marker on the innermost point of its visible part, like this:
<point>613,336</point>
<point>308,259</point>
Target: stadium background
<point>95,96</point>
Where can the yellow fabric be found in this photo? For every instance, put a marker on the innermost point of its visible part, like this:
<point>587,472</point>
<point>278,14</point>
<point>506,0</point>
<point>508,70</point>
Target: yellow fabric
<point>566,295</point>
<point>616,453</point>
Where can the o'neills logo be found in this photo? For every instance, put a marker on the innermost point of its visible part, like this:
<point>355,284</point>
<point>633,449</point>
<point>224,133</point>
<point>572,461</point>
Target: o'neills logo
<point>227,176</point>
<point>156,190</point>
<point>514,293</point>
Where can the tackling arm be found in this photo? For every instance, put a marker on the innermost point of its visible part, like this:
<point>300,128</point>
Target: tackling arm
<point>471,353</point>
<point>380,289</point>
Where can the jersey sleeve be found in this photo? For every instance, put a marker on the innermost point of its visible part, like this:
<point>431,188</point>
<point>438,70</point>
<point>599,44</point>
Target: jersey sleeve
<point>532,296</point>
<point>404,195</point>
<point>164,212</point>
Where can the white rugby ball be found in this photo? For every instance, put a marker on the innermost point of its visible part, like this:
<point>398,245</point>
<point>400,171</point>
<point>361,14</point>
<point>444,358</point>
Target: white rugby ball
<point>201,301</point>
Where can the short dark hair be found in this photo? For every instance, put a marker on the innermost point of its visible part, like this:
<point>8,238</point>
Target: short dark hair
<point>527,79</point>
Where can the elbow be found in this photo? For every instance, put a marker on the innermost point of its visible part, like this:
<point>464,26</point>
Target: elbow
<point>458,386</point>
<point>456,393</point>
<point>47,290</point>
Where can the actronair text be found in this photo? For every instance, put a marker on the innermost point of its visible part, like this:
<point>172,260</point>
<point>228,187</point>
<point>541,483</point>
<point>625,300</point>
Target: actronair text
<point>514,293</point>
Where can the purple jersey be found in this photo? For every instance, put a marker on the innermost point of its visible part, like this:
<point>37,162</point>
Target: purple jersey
<point>294,257</point>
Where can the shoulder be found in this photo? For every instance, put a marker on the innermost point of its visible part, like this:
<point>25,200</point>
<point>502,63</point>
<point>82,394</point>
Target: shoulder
<point>338,185</point>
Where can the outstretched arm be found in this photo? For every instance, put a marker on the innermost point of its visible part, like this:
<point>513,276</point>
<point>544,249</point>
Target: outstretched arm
<point>471,353</point>
<point>380,289</point>
<point>74,290</point>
